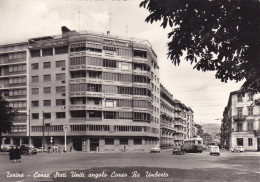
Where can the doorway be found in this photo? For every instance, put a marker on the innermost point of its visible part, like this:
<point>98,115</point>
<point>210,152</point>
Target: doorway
<point>77,144</point>
<point>94,144</point>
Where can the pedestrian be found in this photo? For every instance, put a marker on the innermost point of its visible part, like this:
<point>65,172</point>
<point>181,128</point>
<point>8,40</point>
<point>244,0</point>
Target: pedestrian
<point>11,154</point>
<point>124,148</point>
<point>17,154</point>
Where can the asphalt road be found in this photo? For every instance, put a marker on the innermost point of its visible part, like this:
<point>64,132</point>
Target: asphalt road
<point>132,166</point>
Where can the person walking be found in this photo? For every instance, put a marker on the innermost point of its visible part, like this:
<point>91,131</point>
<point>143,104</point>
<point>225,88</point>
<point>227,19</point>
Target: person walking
<point>11,154</point>
<point>17,154</point>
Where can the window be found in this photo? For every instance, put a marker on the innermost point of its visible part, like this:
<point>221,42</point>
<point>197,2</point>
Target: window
<point>140,54</point>
<point>125,66</point>
<point>60,89</point>
<point>250,142</point>
<point>35,115</point>
<point>35,53</point>
<point>78,114</point>
<point>35,66</point>
<point>124,52</point>
<point>35,103</point>
<point>93,87</point>
<point>123,141</point>
<point>240,142</point>
<point>250,96</point>
<point>47,103</point>
<point>109,141</point>
<point>46,65</point>
<point>60,115</point>
<point>78,47</point>
<point>110,103</point>
<point>46,78</point>
<point>250,126</point>
<point>109,63</point>
<point>110,115</point>
<point>46,90</point>
<point>239,111</point>
<point>77,61</point>
<point>35,91</point>
<point>137,141</point>
<point>47,115</point>
<point>60,102</point>
<point>239,98</point>
<point>60,76</point>
<point>95,114</point>
<point>35,78</point>
<point>61,50</point>
<point>239,126</point>
<point>60,64</point>
<point>47,52</point>
<point>250,111</point>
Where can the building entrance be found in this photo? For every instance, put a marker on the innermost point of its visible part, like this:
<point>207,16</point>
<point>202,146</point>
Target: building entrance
<point>77,144</point>
<point>94,144</point>
<point>37,142</point>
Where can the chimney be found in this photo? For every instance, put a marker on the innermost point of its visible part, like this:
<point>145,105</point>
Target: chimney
<point>108,32</point>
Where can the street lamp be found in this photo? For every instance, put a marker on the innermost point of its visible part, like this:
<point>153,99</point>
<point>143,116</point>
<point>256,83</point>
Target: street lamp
<point>65,127</point>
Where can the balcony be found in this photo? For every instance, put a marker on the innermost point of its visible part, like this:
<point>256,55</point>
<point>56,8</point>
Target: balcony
<point>239,118</point>
<point>48,43</point>
<point>77,67</point>
<point>257,132</point>
<point>142,60</point>
<point>144,73</point>
<point>12,61</point>
<point>78,107</point>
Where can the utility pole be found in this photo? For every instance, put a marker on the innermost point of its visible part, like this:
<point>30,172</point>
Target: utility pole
<point>43,130</point>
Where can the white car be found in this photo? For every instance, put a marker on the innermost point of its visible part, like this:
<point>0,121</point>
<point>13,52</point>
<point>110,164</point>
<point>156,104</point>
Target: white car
<point>214,150</point>
<point>155,149</point>
<point>237,149</point>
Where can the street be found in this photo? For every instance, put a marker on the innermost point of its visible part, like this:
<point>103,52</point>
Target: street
<point>132,166</point>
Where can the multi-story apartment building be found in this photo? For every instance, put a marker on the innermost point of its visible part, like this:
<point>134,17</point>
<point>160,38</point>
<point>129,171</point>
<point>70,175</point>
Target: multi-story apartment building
<point>177,121</point>
<point>103,89</point>
<point>241,122</point>
<point>14,84</point>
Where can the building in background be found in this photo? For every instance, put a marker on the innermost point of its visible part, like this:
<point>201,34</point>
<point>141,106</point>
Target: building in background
<point>241,121</point>
<point>103,89</point>
<point>177,121</point>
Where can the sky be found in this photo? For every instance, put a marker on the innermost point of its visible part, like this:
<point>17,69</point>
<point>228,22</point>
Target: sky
<point>21,20</point>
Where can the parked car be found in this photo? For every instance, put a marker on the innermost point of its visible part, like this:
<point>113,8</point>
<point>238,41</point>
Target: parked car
<point>39,150</point>
<point>28,149</point>
<point>155,149</point>
<point>237,149</point>
<point>214,150</point>
<point>6,148</point>
<point>178,149</point>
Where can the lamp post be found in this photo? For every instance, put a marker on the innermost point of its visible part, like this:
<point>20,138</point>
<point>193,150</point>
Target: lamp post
<point>65,127</point>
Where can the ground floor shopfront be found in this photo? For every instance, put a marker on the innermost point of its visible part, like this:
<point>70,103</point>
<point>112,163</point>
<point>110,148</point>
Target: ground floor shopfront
<point>250,141</point>
<point>87,143</point>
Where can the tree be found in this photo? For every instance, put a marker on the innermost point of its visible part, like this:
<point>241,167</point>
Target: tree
<point>215,35</point>
<point>7,115</point>
<point>200,130</point>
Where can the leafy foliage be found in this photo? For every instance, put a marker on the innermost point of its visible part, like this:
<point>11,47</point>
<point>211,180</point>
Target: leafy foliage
<point>215,35</point>
<point>7,115</point>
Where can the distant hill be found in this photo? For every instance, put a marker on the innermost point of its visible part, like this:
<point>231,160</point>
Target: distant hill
<point>210,128</point>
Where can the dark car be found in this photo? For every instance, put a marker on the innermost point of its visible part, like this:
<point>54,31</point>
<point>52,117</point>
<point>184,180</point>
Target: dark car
<point>28,150</point>
<point>178,150</point>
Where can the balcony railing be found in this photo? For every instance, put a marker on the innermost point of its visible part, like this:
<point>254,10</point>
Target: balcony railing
<point>239,118</point>
<point>48,43</point>
<point>257,132</point>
